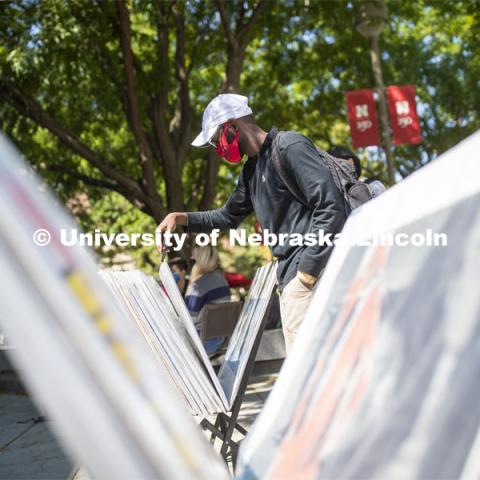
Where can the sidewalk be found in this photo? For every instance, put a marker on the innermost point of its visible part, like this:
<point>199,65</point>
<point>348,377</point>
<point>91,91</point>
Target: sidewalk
<point>28,450</point>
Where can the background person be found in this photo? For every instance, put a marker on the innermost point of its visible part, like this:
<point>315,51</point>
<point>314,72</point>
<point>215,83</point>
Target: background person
<point>179,268</point>
<point>228,125</point>
<point>376,186</point>
<point>207,285</point>
<point>340,151</point>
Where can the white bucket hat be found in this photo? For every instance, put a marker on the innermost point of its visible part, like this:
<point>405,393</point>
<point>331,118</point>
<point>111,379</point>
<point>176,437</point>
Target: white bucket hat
<point>227,106</point>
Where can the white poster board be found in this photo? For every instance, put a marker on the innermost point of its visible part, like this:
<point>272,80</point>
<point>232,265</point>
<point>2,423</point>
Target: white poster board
<point>81,358</point>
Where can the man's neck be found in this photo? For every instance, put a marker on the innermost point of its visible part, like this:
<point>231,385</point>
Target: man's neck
<point>256,139</point>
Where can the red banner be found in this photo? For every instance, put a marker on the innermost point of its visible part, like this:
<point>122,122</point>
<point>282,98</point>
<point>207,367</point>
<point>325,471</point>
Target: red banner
<point>362,115</point>
<point>403,115</point>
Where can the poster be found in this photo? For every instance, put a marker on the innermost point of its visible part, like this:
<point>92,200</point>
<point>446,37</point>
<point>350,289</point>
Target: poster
<point>109,404</point>
<point>247,330</point>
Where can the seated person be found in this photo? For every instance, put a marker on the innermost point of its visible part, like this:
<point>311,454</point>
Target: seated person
<point>207,285</point>
<point>178,266</point>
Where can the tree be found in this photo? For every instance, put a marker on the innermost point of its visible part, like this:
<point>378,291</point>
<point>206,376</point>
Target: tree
<point>427,43</point>
<point>112,82</point>
<point>121,85</point>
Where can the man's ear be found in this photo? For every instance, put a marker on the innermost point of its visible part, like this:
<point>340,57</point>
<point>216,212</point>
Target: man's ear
<point>230,134</point>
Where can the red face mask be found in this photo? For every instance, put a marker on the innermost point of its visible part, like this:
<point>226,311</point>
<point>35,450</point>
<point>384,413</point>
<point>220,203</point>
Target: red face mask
<point>228,147</point>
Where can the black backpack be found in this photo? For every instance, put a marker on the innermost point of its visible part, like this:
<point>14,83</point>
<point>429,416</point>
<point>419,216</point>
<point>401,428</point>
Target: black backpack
<point>354,192</point>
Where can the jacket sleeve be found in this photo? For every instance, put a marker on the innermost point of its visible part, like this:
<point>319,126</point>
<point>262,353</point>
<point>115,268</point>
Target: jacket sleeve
<point>238,206</point>
<point>318,187</point>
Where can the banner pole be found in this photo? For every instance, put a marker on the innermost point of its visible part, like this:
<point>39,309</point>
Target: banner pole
<point>383,112</point>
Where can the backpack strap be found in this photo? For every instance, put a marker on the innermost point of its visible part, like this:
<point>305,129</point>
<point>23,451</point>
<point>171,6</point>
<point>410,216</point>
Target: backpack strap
<point>281,168</point>
<point>332,163</point>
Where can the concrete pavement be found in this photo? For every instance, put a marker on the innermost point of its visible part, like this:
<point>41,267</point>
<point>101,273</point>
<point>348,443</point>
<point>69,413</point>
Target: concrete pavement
<point>29,451</point>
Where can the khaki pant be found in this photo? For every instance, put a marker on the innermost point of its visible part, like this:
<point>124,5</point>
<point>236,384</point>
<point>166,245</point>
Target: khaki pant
<point>294,301</point>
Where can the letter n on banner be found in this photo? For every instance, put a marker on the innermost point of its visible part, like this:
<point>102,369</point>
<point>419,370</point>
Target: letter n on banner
<point>362,116</point>
<point>403,115</point>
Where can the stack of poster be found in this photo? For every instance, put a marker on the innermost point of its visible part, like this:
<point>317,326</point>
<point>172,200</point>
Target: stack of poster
<point>80,356</point>
<point>246,330</point>
<point>151,309</point>
<point>165,323</point>
<point>382,381</point>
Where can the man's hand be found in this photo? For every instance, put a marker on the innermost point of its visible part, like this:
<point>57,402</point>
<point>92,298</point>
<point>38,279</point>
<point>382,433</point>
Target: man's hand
<point>307,279</point>
<point>169,224</point>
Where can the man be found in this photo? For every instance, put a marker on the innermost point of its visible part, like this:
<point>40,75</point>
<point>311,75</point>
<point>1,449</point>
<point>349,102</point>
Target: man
<point>228,126</point>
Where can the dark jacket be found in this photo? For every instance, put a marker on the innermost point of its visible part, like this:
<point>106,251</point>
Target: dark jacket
<point>260,189</point>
